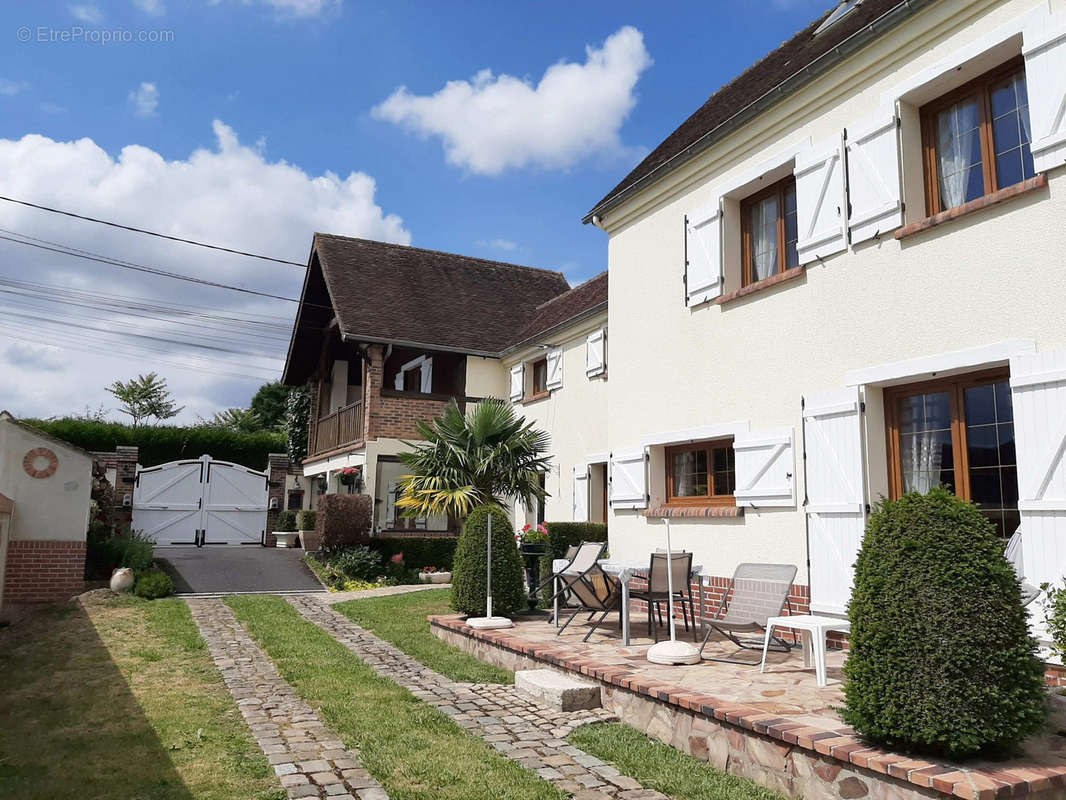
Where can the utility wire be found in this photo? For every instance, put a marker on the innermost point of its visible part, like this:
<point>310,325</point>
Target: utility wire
<point>152,233</point>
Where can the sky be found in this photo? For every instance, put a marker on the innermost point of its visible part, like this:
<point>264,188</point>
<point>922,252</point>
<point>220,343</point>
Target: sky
<point>483,128</point>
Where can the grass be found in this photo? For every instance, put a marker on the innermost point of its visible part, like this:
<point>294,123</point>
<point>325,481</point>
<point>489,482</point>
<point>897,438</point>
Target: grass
<point>414,750</point>
<point>121,700</point>
<point>401,620</point>
<point>661,767</point>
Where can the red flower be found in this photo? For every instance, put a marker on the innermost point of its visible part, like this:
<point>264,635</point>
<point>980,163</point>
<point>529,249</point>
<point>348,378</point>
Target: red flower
<point>526,528</point>
<point>397,559</point>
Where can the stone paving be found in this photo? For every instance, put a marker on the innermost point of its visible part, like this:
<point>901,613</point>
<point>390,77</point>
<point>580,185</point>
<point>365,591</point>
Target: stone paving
<point>309,759</point>
<point>529,733</point>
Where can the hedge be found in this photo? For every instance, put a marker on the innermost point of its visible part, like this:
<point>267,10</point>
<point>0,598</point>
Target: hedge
<point>418,552</point>
<point>468,574</point>
<point>343,520</point>
<point>941,660</point>
<point>159,444</point>
<point>562,535</point>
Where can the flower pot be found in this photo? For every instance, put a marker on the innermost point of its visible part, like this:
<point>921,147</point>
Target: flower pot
<point>311,541</point>
<point>534,548</point>
<point>286,538</point>
<point>435,577</point>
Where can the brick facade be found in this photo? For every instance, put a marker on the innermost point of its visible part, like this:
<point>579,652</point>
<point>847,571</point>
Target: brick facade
<point>125,480</point>
<point>277,469</point>
<point>44,571</point>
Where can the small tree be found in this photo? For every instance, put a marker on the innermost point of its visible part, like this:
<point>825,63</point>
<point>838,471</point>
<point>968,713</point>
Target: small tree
<point>145,397</point>
<point>940,659</point>
<point>242,420</point>
<point>469,568</point>
<point>269,404</point>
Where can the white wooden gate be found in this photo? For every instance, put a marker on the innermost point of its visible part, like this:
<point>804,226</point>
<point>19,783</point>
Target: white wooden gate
<point>200,502</point>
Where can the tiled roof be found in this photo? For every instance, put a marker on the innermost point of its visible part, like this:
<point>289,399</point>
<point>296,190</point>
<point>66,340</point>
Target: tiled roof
<point>792,61</point>
<point>395,293</point>
<point>590,296</point>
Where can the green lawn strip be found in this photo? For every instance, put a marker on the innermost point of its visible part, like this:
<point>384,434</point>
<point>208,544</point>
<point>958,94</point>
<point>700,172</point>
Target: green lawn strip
<point>664,768</point>
<point>122,701</point>
<point>414,750</point>
<point>401,620</point>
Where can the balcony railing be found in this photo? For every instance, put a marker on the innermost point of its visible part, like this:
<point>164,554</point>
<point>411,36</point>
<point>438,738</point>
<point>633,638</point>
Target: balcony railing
<point>344,426</point>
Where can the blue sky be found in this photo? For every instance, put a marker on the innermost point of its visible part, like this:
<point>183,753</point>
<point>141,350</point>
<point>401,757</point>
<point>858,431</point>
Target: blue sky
<point>298,81</point>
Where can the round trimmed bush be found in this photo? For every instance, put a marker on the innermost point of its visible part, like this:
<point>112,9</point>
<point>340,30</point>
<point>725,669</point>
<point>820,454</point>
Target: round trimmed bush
<point>286,521</point>
<point>941,660</point>
<point>468,570</point>
<point>153,584</point>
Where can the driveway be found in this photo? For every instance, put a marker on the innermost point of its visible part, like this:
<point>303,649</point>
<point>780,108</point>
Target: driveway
<point>237,568</point>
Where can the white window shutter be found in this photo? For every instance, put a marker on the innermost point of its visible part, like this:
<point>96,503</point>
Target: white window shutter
<point>398,383</point>
<point>1045,78</point>
<point>875,189</point>
<point>629,479</point>
<point>596,353</point>
<point>836,500</point>
<point>1038,397</point>
<point>427,375</point>
<point>581,493</point>
<point>555,369</point>
<point>820,202</point>
<point>765,469</point>
<point>703,254</point>
<point>390,505</point>
<point>517,379</point>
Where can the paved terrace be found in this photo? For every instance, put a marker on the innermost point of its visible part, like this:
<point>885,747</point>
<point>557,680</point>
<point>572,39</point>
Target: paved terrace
<point>782,708</point>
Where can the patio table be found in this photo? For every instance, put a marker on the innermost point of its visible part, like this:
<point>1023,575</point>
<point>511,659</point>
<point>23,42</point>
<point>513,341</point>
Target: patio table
<point>623,571</point>
<point>814,629</point>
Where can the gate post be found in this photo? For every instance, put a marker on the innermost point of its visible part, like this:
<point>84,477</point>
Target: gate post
<point>125,481</point>
<point>277,470</point>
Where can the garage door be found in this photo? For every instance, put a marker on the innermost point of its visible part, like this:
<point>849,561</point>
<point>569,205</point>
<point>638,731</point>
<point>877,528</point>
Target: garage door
<point>200,502</point>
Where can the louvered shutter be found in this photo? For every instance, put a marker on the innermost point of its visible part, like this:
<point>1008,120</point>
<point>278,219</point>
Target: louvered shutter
<point>581,493</point>
<point>765,469</point>
<point>427,375</point>
<point>555,369</point>
<point>1045,78</point>
<point>703,255</point>
<point>629,479</point>
<point>596,353</point>
<point>517,379</point>
<point>836,501</point>
<point>874,183</point>
<point>1038,395</point>
<point>820,202</point>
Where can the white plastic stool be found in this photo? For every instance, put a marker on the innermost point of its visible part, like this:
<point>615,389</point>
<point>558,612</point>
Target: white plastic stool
<point>814,628</point>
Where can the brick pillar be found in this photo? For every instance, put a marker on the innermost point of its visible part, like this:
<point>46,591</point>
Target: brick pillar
<point>277,469</point>
<point>375,376</point>
<point>125,478</point>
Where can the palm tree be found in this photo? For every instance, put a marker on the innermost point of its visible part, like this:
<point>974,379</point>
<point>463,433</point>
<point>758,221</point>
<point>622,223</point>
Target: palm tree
<point>470,460</point>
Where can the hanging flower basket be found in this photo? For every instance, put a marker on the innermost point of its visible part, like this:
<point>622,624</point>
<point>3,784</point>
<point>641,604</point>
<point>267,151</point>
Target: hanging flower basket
<point>351,476</point>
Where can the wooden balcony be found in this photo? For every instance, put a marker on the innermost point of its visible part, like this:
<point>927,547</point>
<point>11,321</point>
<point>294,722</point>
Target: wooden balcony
<point>343,427</point>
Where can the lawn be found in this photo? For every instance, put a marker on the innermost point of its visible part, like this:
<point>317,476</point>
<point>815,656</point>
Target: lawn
<point>121,701</point>
<point>415,751</point>
<point>401,620</point>
<point>661,767</point>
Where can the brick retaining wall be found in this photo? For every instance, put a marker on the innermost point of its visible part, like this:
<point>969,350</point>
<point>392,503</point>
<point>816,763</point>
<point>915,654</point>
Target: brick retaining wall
<point>44,571</point>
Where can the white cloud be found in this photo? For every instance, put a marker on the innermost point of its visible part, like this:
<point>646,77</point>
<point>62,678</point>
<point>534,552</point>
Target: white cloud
<point>87,12</point>
<point>497,122</point>
<point>498,244</point>
<point>145,100</point>
<point>229,194</point>
<point>33,358</point>
<point>295,8</point>
<point>11,88</point>
<point>155,8</point>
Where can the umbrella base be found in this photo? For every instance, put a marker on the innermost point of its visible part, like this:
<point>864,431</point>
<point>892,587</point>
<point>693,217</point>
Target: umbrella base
<point>673,652</point>
<point>489,623</point>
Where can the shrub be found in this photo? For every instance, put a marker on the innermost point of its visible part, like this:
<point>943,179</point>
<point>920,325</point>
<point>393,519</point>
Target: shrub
<point>941,658</point>
<point>468,573</point>
<point>1054,604</point>
<point>419,551</point>
<point>305,520</point>
<point>562,535</point>
<point>286,521</point>
<point>358,563</point>
<point>104,554</point>
<point>154,584</point>
<point>343,520</point>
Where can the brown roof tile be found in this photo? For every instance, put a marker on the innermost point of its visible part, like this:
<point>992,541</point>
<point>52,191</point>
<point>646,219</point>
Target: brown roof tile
<point>587,298</point>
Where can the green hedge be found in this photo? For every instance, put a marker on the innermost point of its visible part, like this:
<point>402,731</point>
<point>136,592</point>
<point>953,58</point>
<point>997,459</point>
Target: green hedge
<point>161,443</point>
<point>418,552</point>
<point>468,575</point>
<point>941,659</point>
<point>562,535</point>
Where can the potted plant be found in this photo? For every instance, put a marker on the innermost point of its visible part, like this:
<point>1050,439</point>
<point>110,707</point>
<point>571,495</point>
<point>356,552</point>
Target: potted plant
<point>351,477</point>
<point>285,529</point>
<point>309,538</point>
<point>533,545</point>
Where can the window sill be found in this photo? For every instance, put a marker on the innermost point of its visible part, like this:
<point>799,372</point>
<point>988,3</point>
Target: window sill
<point>759,286</point>
<point>1026,186</point>
<point>532,398</point>
<point>694,511</point>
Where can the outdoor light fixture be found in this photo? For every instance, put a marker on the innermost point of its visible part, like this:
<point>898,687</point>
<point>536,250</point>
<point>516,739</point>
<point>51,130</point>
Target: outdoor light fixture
<point>273,504</point>
<point>127,500</point>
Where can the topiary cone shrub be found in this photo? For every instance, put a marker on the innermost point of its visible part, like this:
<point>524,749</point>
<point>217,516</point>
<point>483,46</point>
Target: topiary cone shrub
<point>941,660</point>
<point>468,570</point>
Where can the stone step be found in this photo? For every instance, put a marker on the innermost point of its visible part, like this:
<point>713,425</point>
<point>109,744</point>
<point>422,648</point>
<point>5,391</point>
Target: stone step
<point>556,690</point>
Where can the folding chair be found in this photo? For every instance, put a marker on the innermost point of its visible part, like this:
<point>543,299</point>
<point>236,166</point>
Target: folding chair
<point>756,593</point>
<point>596,592</point>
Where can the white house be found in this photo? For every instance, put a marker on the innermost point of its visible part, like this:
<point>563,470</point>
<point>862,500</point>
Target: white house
<point>843,278</point>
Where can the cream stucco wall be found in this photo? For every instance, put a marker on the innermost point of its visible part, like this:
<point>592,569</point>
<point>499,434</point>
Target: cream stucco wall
<point>988,277</point>
<point>53,508</point>
<point>485,377</point>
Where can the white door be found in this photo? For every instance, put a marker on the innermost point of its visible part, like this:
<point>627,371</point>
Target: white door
<point>200,502</point>
<point>836,500</point>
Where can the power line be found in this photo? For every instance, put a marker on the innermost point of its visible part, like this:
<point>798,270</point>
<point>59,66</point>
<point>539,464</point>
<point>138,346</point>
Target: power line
<point>152,233</point>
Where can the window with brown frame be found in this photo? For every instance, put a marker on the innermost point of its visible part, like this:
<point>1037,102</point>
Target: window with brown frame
<point>976,139</point>
<point>769,231</point>
<point>959,433</point>
<point>703,473</point>
<point>540,378</point>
